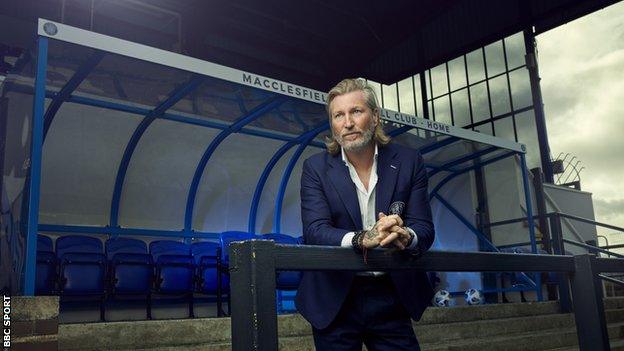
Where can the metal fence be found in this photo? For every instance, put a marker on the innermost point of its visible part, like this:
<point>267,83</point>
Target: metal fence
<point>253,265</point>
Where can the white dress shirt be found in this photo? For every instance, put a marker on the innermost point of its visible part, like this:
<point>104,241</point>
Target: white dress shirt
<point>366,199</point>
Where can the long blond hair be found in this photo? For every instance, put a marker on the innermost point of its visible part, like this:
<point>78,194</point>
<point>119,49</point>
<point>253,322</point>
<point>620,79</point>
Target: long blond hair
<point>344,87</point>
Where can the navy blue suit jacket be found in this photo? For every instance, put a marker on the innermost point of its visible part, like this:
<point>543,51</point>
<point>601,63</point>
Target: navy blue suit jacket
<point>330,209</point>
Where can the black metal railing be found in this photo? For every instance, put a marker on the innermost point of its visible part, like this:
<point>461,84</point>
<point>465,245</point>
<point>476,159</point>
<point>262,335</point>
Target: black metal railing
<point>253,265</point>
<point>557,243</point>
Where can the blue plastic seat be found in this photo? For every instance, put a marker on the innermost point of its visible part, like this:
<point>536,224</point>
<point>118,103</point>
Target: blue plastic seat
<point>174,269</point>
<point>131,269</point>
<point>82,267</point>
<point>207,256</point>
<point>285,280</point>
<point>46,275</point>
<point>226,238</point>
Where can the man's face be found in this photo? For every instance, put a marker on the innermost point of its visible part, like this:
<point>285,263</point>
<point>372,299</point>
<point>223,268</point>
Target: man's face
<point>352,121</point>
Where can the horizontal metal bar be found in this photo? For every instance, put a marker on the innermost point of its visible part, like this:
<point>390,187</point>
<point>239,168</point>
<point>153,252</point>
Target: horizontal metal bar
<point>307,257</point>
<point>98,41</point>
<point>528,243</point>
<point>438,144</point>
<point>116,106</point>
<point>609,247</point>
<point>487,291</point>
<point>586,220</point>
<point>124,231</point>
<point>612,280</point>
<point>508,221</point>
<point>592,247</point>
<point>179,118</point>
<point>609,265</point>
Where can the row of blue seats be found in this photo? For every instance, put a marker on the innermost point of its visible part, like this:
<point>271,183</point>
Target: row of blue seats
<point>82,266</point>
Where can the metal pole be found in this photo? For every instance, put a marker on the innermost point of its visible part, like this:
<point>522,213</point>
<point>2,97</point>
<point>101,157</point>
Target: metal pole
<point>565,302</point>
<point>254,320</point>
<point>538,105</point>
<point>591,326</point>
<point>35,166</point>
<point>529,210</point>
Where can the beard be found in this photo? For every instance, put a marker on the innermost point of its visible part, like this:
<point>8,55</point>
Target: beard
<point>358,144</point>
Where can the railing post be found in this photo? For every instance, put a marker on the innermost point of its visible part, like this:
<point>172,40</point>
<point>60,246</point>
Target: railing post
<point>591,326</point>
<point>592,251</point>
<point>254,318</point>
<point>558,249</point>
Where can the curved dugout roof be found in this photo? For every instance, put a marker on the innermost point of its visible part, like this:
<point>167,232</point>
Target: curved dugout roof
<point>145,141</point>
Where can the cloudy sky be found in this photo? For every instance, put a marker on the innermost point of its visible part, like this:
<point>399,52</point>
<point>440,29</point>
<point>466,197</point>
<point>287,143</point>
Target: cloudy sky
<point>582,71</point>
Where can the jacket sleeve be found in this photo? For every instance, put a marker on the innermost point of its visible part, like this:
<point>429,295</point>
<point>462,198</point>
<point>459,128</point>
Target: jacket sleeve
<point>418,213</point>
<point>318,226</point>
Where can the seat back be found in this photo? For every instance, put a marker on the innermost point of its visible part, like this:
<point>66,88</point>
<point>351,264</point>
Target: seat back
<point>45,274</point>
<point>132,268</point>
<point>228,237</point>
<point>285,280</point>
<point>125,245</point>
<point>82,273</point>
<point>168,247</point>
<point>44,243</point>
<point>78,244</point>
<point>82,265</point>
<point>205,256</point>
<point>174,266</point>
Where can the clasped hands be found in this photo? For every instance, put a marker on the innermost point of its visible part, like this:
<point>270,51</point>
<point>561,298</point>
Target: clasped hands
<point>387,231</point>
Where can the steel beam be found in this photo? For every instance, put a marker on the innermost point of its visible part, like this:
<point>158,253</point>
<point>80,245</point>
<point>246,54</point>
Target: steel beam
<point>277,213</point>
<point>201,166</point>
<point>59,98</point>
<point>175,96</point>
<point>34,183</point>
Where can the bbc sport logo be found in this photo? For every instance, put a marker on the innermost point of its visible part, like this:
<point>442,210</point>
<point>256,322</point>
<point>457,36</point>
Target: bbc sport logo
<point>6,322</point>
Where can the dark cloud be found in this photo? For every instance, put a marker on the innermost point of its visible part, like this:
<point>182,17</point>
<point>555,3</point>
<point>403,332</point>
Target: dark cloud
<point>609,208</point>
<point>580,65</point>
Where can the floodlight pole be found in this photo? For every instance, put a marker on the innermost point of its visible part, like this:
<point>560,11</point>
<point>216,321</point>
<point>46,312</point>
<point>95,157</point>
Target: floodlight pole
<point>34,185</point>
<point>531,222</point>
<point>538,105</point>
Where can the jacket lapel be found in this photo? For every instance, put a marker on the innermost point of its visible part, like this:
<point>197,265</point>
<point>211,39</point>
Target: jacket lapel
<point>387,172</point>
<point>338,174</point>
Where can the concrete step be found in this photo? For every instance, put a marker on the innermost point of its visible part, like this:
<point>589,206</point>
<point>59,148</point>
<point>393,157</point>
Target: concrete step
<point>432,333</point>
<point>611,303</point>
<point>545,340</point>
<point>450,324</point>
<point>475,313</point>
<point>554,339</point>
<point>616,345</point>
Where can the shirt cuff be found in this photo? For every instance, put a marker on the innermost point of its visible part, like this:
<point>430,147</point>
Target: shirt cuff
<point>414,242</point>
<point>347,239</point>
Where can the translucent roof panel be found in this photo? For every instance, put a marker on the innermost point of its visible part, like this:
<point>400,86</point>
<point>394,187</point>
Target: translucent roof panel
<point>440,150</point>
<point>221,100</point>
<point>185,105</point>
<point>64,60</point>
<point>81,155</point>
<point>130,80</point>
<point>293,117</point>
<point>229,181</point>
<point>159,175</point>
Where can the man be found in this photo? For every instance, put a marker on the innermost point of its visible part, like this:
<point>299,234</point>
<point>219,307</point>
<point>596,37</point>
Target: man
<point>364,193</point>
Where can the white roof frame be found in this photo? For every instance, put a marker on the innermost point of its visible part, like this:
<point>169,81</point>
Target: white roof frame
<point>62,32</point>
